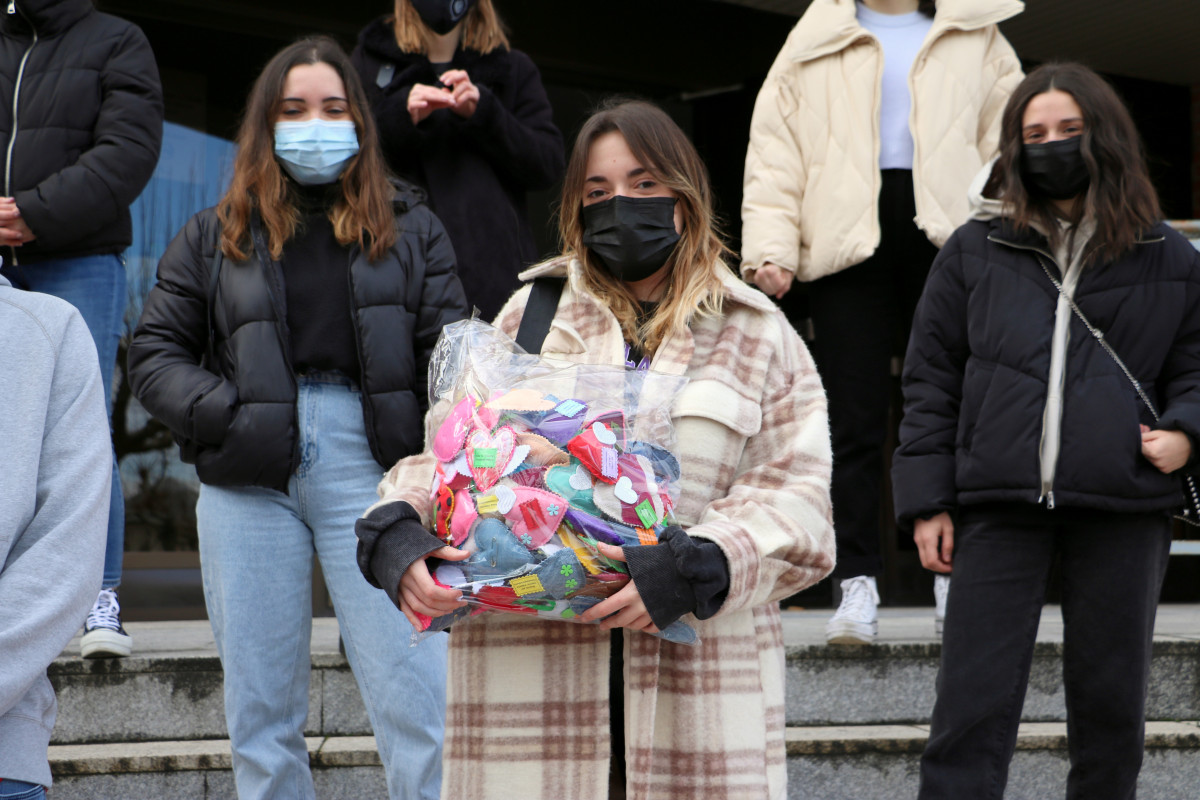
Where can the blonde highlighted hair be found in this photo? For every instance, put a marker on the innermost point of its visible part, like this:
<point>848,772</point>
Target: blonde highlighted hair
<point>693,282</point>
<point>483,30</point>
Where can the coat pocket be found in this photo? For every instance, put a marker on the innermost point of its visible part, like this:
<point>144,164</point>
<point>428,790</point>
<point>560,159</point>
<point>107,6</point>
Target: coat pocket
<point>719,402</point>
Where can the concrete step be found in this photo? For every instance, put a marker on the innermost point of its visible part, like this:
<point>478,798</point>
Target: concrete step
<point>881,762</point>
<point>345,766</point>
<point>893,681</point>
<point>824,763</point>
<point>170,688</point>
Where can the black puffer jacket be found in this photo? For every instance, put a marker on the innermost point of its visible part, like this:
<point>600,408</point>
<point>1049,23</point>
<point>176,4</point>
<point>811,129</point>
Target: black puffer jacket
<point>975,377</point>
<point>478,170</point>
<point>88,127</point>
<point>237,422</point>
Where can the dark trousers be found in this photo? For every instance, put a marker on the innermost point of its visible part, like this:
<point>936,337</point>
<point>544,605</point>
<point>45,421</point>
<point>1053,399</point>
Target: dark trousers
<point>1112,571</point>
<point>861,317</point>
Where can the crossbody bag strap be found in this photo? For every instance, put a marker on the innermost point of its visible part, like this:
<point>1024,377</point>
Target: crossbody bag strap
<point>539,313</point>
<point>1189,514</point>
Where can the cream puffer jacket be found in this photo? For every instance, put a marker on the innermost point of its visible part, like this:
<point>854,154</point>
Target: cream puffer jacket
<point>812,170</point>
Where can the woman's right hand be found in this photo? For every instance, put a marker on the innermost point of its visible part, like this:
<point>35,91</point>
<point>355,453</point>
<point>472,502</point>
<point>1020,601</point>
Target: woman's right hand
<point>935,542</point>
<point>420,594</point>
<point>423,100</point>
<point>773,280</point>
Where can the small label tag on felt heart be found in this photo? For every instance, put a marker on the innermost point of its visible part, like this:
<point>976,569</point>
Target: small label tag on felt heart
<point>570,408</point>
<point>484,457</point>
<point>526,584</point>
<point>487,504</point>
<point>645,512</point>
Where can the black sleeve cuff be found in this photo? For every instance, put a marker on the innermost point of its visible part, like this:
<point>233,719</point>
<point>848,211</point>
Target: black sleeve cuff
<point>679,575</point>
<point>390,539</point>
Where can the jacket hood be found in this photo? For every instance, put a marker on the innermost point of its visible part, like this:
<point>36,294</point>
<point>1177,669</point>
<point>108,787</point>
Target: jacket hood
<point>831,25</point>
<point>407,195</point>
<point>983,208</point>
<point>49,17</point>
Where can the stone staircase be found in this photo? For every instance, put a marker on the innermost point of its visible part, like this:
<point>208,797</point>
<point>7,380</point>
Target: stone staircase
<point>151,726</point>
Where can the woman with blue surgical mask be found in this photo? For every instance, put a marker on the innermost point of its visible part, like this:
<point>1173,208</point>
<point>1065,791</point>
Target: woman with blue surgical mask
<point>285,345</point>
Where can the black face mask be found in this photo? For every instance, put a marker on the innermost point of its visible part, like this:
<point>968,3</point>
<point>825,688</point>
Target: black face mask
<point>442,15</point>
<point>632,237</point>
<point>1055,169</point>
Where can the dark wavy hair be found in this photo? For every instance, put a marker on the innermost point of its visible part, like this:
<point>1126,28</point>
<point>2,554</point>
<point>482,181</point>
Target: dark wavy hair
<point>362,213</point>
<point>1120,197</point>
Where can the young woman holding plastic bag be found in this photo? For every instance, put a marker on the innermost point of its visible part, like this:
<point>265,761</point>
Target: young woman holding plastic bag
<point>1025,439</point>
<point>529,702</point>
<point>285,346</point>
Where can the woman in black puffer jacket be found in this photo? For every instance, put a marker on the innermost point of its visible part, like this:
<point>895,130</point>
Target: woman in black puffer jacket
<point>286,345</point>
<point>464,116</point>
<point>1024,441</point>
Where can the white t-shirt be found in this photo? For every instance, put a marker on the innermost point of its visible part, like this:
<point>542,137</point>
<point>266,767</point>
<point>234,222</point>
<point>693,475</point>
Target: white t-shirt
<point>901,36</point>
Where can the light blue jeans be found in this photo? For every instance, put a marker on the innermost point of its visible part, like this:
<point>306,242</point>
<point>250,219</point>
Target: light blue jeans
<point>11,789</point>
<point>96,286</point>
<point>256,553</point>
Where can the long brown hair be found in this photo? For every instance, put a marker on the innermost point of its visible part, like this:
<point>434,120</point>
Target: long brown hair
<point>362,213</point>
<point>1120,197</point>
<point>483,30</point>
<point>693,282</point>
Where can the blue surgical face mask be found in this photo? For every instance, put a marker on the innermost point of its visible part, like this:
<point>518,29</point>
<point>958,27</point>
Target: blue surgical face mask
<point>315,151</point>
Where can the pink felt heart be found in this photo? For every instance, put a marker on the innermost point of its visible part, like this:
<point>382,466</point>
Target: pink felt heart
<point>488,455</point>
<point>535,515</point>
<point>463,518</point>
<point>448,440</point>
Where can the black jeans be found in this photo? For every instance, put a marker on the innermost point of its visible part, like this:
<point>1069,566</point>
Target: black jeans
<point>861,318</point>
<point>1112,571</point>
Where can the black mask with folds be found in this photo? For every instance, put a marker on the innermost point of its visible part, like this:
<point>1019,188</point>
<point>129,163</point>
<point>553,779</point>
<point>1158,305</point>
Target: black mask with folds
<point>442,15</point>
<point>1055,169</point>
<point>631,237</point>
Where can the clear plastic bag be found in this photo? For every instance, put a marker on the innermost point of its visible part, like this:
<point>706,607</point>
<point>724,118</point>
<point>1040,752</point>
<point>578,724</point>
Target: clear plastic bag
<point>537,461</point>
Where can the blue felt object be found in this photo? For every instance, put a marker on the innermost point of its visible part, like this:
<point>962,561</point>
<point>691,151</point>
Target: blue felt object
<point>561,574</point>
<point>497,552</point>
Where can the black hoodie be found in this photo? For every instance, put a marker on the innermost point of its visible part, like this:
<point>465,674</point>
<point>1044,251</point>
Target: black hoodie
<point>476,171</point>
<point>88,127</point>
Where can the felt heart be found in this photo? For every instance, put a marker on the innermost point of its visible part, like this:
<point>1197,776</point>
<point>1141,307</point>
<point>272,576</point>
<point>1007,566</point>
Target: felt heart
<point>452,433</point>
<point>644,511</point>
<point>532,477</point>
<point>561,574</point>
<point>488,453</point>
<point>584,552</point>
<point>664,464</point>
<point>521,400</point>
<point>587,526</point>
<point>535,516</point>
<point>623,489</point>
<point>565,481</point>
<point>496,552</point>
<point>558,426</point>
<point>599,458</point>
<point>443,511</point>
<point>542,452</point>
<point>498,501</point>
<point>463,518</point>
<point>603,434</point>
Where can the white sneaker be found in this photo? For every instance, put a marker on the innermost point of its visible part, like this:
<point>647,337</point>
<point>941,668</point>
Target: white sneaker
<point>856,619</point>
<point>103,635</point>
<point>941,588</point>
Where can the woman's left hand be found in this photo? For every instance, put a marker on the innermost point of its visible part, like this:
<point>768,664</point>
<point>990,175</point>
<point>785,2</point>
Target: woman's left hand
<point>625,607</point>
<point>466,94</point>
<point>1166,450</point>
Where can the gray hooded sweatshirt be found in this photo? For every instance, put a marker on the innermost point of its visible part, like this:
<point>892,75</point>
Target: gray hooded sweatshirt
<point>1068,257</point>
<point>54,488</point>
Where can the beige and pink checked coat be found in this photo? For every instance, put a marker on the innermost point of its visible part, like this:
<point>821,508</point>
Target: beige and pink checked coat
<point>528,705</point>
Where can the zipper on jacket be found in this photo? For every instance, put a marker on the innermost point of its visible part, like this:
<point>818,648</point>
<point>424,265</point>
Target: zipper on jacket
<point>1046,489</point>
<point>12,137</point>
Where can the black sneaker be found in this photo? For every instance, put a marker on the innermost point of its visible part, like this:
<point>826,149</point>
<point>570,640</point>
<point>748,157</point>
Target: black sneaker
<point>103,636</point>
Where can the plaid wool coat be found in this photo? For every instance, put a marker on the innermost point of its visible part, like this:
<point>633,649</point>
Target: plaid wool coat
<point>528,705</point>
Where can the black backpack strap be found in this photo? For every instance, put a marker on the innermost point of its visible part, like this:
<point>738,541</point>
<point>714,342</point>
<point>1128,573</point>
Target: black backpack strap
<point>539,313</point>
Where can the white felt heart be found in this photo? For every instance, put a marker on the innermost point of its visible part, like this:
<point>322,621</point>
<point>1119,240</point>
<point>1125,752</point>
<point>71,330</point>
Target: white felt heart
<point>603,434</point>
<point>624,491</point>
<point>581,479</point>
<point>449,574</point>
<point>505,497</point>
<point>458,465</point>
<point>517,459</point>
